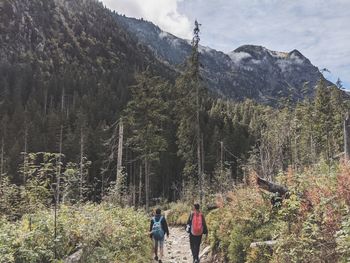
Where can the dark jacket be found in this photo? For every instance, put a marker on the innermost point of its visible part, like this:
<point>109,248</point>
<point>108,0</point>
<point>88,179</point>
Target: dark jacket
<point>163,222</point>
<point>205,228</point>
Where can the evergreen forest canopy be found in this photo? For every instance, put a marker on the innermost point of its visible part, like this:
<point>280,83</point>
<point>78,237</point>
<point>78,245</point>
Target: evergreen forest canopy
<point>68,98</point>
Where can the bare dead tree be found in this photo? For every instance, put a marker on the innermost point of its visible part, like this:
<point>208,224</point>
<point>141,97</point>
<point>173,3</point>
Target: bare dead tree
<point>346,136</point>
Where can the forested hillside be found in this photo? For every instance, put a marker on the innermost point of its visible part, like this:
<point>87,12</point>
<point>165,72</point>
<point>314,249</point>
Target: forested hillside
<point>249,71</point>
<point>66,72</point>
<point>93,123</point>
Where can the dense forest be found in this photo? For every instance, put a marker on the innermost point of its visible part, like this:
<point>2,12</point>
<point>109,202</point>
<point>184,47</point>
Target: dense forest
<point>52,101</point>
<point>88,114</point>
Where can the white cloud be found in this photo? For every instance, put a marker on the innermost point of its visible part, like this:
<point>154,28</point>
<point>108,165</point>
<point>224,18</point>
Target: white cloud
<point>163,13</point>
<point>317,28</point>
<point>238,56</point>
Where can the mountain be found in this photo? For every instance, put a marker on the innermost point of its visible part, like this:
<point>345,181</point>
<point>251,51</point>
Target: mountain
<point>64,62</point>
<point>55,35</point>
<point>65,71</point>
<point>247,72</point>
<point>57,32</point>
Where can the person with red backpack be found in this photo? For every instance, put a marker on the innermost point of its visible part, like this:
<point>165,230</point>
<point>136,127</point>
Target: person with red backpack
<point>196,227</point>
<point>158,229</point>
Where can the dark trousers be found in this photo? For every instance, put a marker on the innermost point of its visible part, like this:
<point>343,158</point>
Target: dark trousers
<point>195,242</point>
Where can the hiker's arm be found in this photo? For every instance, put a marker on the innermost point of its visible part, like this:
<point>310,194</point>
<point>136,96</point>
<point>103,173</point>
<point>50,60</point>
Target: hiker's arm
<point>205,228</point>
<point>165,227</point>
<point>189,219</point>
<point>150,229</point>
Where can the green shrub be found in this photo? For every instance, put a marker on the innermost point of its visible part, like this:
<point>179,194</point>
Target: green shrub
<point>104,233</point>
<point>343,238</point>
<point>312,215</point>
<point>178,213</point>
<point>8,234</point>
<point>9,198</point>
<point>311,225</point>
<point>261,254</point>
<point>245,219</point>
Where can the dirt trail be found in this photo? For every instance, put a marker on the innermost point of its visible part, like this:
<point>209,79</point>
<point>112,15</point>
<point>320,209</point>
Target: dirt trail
<point>177,247</point>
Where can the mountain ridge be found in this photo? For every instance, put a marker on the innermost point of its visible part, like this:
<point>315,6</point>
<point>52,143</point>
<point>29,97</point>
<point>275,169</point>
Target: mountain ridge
<point>55,33</point>
<point>249,71</point>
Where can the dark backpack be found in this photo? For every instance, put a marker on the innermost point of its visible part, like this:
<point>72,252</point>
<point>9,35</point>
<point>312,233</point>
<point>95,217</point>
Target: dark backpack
<point>157,230</point>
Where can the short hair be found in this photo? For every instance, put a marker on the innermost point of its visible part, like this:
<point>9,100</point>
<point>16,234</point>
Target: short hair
<point>196,206</point>
<point>158,211</point>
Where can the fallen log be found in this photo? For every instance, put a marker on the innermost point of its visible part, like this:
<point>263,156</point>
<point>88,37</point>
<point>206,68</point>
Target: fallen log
<point>272,187</point>
<point>204,252</point>
<point>269,243</point>
<point>211,207</point>
<point>75,257</point>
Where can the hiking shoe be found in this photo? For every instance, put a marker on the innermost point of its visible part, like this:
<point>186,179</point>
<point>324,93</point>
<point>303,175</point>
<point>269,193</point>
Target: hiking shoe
<point>156,258</point>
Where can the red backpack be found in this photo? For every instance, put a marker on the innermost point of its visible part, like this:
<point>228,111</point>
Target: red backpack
<point>197,224</point>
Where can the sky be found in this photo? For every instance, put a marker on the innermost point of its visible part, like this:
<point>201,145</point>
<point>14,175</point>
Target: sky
<point>319,29</point>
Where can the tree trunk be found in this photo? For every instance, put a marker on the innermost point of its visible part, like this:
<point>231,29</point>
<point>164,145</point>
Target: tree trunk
<point>313,150</point>
<point>221,158</point>
<point>147,183</point>
<point>62,101</point>
<point>58,176</point>
<point>118,177</point>
<point>262,159</point>
<point>25,155</point>
<point>296,160</point>
<point>346,136</point>
<point>73,102</point>
<point>51,104</point>
<point>45,102</point>
<point>202,153</point>
<point>202,167</point>
<point>133,181</point>
<point>55,230</point>
<point>140,185</point>
<point>81,170</point>
<point>102,185</point>
<point>2,157</point>
<point>199,157</point>
<point>120,148</point>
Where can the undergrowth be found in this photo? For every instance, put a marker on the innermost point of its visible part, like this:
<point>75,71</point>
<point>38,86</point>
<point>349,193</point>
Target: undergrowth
<point>104,233</point>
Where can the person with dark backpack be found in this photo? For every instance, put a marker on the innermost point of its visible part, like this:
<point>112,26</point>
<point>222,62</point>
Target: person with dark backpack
<point>196,227</point>
<point>158,229</point>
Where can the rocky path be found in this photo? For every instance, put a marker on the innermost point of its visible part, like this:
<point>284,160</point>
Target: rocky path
<point>177,247</point>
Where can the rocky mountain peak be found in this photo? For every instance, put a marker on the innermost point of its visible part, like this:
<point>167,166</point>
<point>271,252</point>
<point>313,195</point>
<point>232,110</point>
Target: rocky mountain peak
<point>254,50</point>
<point>249,71</point>
<point>97,39</point>
<point>296,53</point>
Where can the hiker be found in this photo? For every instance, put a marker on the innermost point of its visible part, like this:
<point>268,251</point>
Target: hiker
<point>158,229</point>
<point>196,227</point>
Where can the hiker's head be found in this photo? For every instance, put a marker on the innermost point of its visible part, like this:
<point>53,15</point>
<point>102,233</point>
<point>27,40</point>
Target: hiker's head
<point>196,206</point>
<point>158,211</point>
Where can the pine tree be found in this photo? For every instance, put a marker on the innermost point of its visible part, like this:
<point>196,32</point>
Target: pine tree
<point>323,113</point>
<point>145,115</point>
<point>190,108</point>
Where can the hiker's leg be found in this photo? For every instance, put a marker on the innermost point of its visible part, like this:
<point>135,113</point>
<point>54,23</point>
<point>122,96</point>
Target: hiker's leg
<point>192,246</point>
<point>155,242</point>
<point>161,249</point>
<point>197,245</point>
